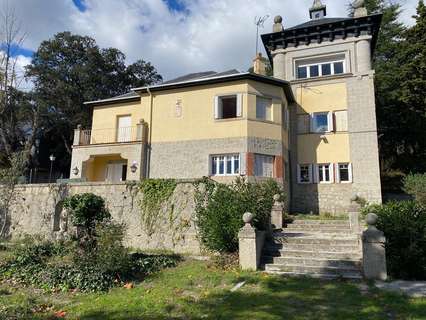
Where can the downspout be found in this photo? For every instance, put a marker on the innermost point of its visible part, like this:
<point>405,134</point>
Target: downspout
<point>148,153</point>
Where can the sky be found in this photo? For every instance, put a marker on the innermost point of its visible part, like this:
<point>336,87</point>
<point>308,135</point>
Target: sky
<point>176,36</point>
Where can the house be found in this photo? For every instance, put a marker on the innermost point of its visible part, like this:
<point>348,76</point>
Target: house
<point>312,125</point>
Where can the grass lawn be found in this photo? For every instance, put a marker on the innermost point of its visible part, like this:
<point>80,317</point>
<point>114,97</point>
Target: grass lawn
<point>194,291</point>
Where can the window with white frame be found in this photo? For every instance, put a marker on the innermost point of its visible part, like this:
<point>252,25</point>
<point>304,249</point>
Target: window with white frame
<point>324,173</point>
<point>286,120</point>
<point>263,165</point>
<point>263,108</point>
<point>322,122</point>
<point>304,173</point>
<point>225,165</point>
<point>228,107</point>
<point>344,172</point>
<point>314,70</point>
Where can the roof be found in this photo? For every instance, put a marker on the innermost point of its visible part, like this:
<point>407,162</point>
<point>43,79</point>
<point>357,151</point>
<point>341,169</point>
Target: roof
<point>222,77</point>
<point>197,79</point>
<point>317,22</point>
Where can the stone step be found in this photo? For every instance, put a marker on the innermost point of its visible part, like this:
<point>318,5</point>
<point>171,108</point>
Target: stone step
<point>318,262</point>
<point>312,270</point>
<point>317,227</point>
<point>349,276</point>
<point>342,248</point>
<point>320,240</point>
<point>320,222</point>
<point>316,230</point>
<point>356,254</point>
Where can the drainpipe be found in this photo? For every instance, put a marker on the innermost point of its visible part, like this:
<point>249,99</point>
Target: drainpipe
<point>148,153</point>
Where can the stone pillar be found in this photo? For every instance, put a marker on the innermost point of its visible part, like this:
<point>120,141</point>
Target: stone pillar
<point>373,251</point>
<point>279,64</point>
<point>353,211</point>
<point>77,135</point>
<point>250,244</point>
<point>277,213</point>
<point>363,50</point>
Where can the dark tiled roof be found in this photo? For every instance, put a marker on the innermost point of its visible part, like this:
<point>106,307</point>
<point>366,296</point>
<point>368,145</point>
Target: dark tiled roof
<point>129,96</point>
<point>201,75</point>
<point>318,22</point>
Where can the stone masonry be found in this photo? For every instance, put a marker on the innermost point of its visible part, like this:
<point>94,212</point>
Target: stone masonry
<point>37,211</point>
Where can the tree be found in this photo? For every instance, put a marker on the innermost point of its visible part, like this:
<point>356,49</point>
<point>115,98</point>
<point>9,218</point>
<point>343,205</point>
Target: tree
<point>412,73</point>
<point>69,70</point>
<point>18,116</point>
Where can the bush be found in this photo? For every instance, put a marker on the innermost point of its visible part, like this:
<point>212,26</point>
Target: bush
<point>404,225</point>
<point>61,265</point>
<point>220,207</point>
<point>415,185</point>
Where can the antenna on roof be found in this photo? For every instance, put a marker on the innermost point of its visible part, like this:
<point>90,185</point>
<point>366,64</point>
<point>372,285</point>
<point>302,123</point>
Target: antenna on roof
<point>259,22</point>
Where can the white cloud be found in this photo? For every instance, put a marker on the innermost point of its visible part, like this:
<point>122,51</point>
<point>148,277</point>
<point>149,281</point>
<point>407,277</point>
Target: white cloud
<point>215,35</point>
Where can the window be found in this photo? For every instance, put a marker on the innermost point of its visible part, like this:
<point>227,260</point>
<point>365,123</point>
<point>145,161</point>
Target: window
<point>320,69</point>
<point>314,71</point>
<point>324,173</point>
<point>286,120</point>
<point>304,173</point>
<point>302,72</point>
<point>341,120</point>
<point>263,108</point>
<point>228,107</point>
<point>263,165</point>
<point>225,165</point>
<point>322,122</point>
<point>303,123</point>
<point>344,172</point>
<point>338,67</point>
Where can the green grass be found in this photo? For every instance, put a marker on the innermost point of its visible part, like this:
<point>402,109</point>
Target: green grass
<point>194,291</point>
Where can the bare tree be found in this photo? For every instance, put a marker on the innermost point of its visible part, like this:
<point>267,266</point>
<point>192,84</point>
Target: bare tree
<point>12,37</point>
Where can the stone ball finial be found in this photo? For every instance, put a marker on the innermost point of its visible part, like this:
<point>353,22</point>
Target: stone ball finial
<point>248,217</point>
<point>358,4</point>
<point>277,197</point>
<point>278,19</point>
<point>371,219</point>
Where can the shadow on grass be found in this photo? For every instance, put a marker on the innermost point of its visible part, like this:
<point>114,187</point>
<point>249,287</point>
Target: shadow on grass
<point>280,298</point>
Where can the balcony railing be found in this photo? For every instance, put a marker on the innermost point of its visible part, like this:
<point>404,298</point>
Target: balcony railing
<point>104,136</point>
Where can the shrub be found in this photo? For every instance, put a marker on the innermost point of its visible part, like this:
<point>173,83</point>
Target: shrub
<point>220,207</point>
<point>404,225</point>
<point>61,265</point>
<point>86,211</point>
<point>415,185</point>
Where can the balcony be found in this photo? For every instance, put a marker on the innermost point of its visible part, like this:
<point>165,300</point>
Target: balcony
<point>85,137</point>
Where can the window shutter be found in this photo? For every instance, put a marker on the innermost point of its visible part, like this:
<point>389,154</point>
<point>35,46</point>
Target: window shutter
<point>314,173</point>
<point>331,166</point>
<point>350,172</point>
<point>337,173</point>
<point>298,174</point>
<point>216,108</point>
<point>311,118</point>
<point>330,122</point>
<point>239,104</point>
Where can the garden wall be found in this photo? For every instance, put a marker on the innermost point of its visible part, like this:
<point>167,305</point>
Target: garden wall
<point>38,211</point>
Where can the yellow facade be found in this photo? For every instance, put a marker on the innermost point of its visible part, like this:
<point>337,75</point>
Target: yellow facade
<point>194,120</point>
<point>334,147</point>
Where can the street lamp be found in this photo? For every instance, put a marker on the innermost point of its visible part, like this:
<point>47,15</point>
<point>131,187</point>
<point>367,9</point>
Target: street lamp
<point>52,159</point>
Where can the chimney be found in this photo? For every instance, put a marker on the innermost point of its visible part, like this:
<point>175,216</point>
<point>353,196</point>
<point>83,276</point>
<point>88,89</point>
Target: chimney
<point>259,65</point>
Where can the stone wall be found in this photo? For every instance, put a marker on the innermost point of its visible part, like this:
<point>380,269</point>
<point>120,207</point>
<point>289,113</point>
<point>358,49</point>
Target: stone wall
<point>37,211</point>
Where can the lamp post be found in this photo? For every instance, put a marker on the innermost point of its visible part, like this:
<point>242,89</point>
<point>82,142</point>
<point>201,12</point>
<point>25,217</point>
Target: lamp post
<point>52,159</point>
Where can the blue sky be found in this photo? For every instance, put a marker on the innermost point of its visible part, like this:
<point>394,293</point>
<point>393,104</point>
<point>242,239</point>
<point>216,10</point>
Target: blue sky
<point>177,36</point>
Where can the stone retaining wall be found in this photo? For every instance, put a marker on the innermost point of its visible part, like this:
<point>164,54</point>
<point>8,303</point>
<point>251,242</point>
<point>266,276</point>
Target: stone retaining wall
<point>37,211</point>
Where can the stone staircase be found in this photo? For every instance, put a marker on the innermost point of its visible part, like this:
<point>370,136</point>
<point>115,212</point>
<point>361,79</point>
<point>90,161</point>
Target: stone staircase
<point>316,248</point>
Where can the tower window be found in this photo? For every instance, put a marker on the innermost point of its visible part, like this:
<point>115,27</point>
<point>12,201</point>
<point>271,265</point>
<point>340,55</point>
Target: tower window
<point>314,70</point>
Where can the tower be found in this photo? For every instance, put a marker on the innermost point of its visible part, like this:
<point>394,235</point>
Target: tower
<point>333,140</point>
